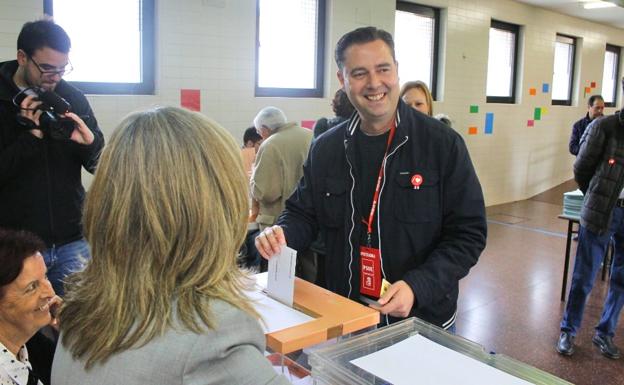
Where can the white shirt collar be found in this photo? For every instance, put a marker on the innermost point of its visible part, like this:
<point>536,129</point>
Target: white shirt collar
<point>14,370</point>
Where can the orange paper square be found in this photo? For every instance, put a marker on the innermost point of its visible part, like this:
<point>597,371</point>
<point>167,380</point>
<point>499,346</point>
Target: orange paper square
<point>532,91</point>
<point>587,90</point>
<point>472,130</point>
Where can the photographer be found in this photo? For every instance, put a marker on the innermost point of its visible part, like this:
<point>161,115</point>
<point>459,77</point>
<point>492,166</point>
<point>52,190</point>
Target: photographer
<point>43,147</point>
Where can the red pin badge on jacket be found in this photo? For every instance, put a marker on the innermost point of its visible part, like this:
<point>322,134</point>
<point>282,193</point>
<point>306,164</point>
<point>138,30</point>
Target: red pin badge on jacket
<point>416,180</point>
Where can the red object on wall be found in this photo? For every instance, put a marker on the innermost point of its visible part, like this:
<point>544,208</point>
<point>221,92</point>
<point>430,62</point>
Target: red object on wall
<point>308,124</point>
<point>190,99</point>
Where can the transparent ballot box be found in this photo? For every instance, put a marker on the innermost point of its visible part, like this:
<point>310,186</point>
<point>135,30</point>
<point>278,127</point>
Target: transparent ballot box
<point>415,352</point>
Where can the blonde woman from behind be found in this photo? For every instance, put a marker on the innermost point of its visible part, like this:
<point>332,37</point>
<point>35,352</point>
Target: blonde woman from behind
<point>161,301</point>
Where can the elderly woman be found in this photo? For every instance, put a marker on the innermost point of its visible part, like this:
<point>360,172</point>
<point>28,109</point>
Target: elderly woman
<point>162,300</point>
<point>416,94</point>
<point>25,299</point>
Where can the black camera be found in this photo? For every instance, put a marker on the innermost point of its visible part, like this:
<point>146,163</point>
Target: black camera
<point>51,122</point>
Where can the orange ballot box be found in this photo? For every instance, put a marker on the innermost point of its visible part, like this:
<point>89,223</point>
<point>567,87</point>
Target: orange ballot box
<point>331,316</point>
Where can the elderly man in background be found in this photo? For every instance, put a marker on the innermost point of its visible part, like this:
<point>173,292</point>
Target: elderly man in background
<point>277,169</point>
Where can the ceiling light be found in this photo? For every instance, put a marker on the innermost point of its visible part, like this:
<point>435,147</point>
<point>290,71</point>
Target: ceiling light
<point>598,4</point>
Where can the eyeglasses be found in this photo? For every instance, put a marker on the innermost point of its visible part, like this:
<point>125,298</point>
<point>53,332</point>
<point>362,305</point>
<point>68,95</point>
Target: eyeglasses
<point>48,70</point>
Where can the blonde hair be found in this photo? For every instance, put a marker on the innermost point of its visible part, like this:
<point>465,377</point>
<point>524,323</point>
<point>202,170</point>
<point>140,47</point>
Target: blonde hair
<point>421,86</point>
<point>165,217</point>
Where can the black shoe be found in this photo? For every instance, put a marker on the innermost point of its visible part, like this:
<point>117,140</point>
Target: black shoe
<point>565,345</point>
<point>606,345</point>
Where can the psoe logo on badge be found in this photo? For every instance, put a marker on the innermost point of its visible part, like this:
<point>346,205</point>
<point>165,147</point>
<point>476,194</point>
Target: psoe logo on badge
<point>417,180</point>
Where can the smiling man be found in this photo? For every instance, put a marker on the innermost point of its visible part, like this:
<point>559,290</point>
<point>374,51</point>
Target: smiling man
<point>40,170</point>
<point>393,192</point>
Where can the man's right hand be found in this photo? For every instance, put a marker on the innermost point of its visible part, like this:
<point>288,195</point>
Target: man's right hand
<point>30,111</point>
<point>269,242</point>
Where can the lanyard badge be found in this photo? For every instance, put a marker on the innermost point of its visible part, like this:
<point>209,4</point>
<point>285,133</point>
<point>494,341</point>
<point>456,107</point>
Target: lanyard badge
<point>370,271</point>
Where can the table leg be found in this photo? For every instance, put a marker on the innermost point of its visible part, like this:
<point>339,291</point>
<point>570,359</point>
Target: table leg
<point>564,284</point>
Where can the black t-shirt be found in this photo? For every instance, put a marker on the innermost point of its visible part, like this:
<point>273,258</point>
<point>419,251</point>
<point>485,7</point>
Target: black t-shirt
<point>369,153</point>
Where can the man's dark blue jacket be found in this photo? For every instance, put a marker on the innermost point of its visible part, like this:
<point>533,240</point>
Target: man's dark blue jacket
<point>429,237</point>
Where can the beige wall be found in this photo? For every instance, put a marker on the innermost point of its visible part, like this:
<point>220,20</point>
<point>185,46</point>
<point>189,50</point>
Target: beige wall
<point>209,45</point>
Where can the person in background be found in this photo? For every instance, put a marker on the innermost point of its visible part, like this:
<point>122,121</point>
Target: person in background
<point>278,168</point>
<point>599,172</point>
<point>394,193</point>
<point>162,301</point>
<point>595,109</point>
<point>251,139</point>
<point>251,144</point>
<point>40,173</point>
<point>343,109</point>
<point>444,119</point>
<point>416,94</point>
<point>26,301</point>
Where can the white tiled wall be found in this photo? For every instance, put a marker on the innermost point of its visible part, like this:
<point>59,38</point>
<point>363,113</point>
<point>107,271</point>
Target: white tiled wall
<point>209,45</point>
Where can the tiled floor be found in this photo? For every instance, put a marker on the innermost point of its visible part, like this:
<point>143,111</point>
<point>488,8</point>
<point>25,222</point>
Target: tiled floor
<point>510,301</point>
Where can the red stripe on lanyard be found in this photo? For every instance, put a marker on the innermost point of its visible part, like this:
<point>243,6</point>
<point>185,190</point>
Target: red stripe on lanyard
<point>371,216</point>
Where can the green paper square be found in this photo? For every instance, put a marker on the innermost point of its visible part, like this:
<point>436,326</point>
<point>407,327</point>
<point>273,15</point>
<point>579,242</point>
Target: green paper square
<point>474,109</point>
<point>537,115</point>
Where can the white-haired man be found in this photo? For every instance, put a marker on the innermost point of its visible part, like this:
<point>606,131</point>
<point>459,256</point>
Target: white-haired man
<point>278,166</point>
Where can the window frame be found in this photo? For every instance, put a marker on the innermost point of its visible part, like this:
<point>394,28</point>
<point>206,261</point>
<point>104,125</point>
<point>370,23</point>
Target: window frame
<point>515,29</point>
<point>568,101</point>
<point>433,12</point>
<point>617,50</point>
<point>147,84</point>
<point>317,91</point>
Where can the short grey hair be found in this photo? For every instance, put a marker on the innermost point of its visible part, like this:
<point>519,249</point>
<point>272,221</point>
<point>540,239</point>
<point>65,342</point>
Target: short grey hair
<point>271,118</point>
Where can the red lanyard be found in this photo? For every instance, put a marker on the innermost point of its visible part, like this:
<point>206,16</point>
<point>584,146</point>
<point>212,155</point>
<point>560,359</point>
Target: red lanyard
<point>371,216</point>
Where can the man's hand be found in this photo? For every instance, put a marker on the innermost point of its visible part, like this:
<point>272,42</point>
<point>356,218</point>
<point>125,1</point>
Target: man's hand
<point>269,242</point>
<point>81,133</point>
<point>28,110</point>
<point>397,301</point>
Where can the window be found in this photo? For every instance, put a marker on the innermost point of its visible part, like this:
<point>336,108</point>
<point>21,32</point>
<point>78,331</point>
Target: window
<point>502,62</point>
<point>112,44</point>
<point>610,75</point>
<point>563,73</point>
<point>290,37</point>
<point>416,33</point>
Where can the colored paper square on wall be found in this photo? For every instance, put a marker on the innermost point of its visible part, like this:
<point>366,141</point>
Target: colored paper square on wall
<point>544,111</point>
<point>190,99</point>
<point>472,130</point>
<point>530,123</point>
<point>537,114</point>
<point>593,84</point>
<point>587,90</point>
<point>545,88</point>
<point>474,109</point>
<point>489,123</point>
<point>532,91</point>
<point>308,124</point>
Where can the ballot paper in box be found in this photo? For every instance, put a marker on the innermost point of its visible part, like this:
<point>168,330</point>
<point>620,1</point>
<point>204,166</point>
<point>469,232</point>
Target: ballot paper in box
<point>572,203</point>
<point>414,352</point>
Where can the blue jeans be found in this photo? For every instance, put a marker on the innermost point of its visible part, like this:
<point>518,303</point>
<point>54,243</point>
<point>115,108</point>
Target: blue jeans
<point>64,260</point>
<point>589,255</point>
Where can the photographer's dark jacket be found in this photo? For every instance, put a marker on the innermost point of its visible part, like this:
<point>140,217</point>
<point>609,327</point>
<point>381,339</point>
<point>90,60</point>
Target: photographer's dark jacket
<point>40,179</point>
<point>599,170</point>
<point>429,237</point>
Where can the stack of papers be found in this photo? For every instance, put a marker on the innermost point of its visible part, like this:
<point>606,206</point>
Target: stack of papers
<point>572,203</point>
